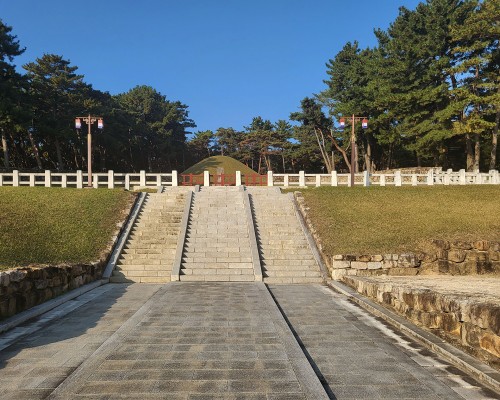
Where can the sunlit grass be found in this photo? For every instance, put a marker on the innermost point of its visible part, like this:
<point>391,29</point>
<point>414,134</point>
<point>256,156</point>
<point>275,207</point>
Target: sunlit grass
<point>379,220</point>
<point>53,225</point>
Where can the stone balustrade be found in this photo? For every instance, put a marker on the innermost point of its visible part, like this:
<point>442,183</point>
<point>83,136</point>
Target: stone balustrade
<point>113,180</point>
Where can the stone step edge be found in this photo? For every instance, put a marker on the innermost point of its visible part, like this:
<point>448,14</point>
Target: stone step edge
<point>123,239</point>
<point>176,267</point>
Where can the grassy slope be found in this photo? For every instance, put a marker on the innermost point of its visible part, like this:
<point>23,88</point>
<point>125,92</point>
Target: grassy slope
<point>229,164</point>
<point>52,225</point>
<point>376,220</point>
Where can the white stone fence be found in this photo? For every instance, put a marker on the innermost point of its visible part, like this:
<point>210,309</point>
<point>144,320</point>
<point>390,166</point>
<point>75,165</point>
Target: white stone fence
<point>78,179</point>
<point>113,180</point>
<point>396,178</point>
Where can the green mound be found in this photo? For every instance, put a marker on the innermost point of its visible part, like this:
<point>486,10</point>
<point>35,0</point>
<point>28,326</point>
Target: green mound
<point>215,164</point>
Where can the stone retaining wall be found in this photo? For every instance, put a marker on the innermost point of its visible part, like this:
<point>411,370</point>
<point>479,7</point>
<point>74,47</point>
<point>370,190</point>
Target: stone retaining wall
<point>24,288</point>
<point>472,323</point>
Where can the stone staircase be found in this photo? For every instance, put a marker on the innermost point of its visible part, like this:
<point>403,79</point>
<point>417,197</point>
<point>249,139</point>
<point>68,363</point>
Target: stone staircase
<point>217,245</point>
<point>149,253</point>
<point>286,256</point>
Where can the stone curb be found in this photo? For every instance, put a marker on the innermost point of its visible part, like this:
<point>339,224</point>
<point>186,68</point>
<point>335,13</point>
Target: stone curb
<point>483,372</point>
<point>40,309</point>
<point>113,259</point>
<point>309,381</point>
<point>176,267</point>
<point>310,239</point>
<point>256,261</point>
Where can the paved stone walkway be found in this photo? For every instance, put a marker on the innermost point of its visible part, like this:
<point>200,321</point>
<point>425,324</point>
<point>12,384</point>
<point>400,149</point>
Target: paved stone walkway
<point>359,357</point>
<point>222,341</point>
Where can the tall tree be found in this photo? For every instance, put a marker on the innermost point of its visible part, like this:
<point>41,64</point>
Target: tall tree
<point>476,95</point>
<point>10,86</point>
<point>55,88</point>
<point>314,130</point>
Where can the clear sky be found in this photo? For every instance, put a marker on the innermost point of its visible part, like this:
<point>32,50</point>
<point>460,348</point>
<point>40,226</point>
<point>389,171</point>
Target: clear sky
<point>228,60</point>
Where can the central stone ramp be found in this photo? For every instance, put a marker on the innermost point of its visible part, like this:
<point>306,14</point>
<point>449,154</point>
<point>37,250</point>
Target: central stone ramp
<point>217,245</point>
<point>199,340</point>
<point>285,252</point>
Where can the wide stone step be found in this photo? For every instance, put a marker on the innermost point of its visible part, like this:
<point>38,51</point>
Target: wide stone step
<point>291,274</point>
<point>289,280</point>
<point>141,279</point>
<point>217,271</point>
<point>217,278</point>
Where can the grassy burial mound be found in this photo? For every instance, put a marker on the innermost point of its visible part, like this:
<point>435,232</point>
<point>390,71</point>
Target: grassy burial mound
<point>378,220</point>
<point>216,164</point>
<point>53,225</point>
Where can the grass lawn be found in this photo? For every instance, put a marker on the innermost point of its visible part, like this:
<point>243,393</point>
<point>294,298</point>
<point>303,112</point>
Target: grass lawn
<point>53,225</point>
<point>379,220</point>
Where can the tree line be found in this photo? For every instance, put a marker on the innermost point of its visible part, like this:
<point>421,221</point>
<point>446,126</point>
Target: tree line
<point>142,128</point>
<point>430,90</point>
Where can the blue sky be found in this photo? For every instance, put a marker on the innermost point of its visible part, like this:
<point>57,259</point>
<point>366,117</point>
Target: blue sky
<point>228,60</point>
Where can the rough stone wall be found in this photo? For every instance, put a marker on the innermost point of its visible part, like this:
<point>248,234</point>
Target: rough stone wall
<point>24,288</point>
<point>474,324</point>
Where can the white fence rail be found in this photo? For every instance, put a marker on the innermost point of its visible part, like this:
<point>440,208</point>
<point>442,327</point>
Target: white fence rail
<point>396,178</point>
<point>112,180</point>
<point>79,179</point>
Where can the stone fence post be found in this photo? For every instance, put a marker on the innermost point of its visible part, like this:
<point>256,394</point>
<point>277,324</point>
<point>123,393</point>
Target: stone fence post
<point>142,178</point>
<point>335,178</point>
<point>397,178</point>
<point>430,177</point>
<point>206,178</point>
<point>238,178</point>
<point>302,179</point>
<point>48,180</point>
<point>111,179</point>
<point>15,178</point>
<point>366,178</point>
<point>79,179</point>
<point>175,178</point>
<point>270,181</point>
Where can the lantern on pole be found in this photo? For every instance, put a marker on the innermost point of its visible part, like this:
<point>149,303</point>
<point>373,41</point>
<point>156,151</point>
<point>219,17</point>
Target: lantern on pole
<point>100,124</point>
<point>342,122</point>
<point>78,123</point>
<point>364,123</point>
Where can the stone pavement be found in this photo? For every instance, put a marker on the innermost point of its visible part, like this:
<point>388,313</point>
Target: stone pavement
<point>217,340</point>
<point>358,356</point>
